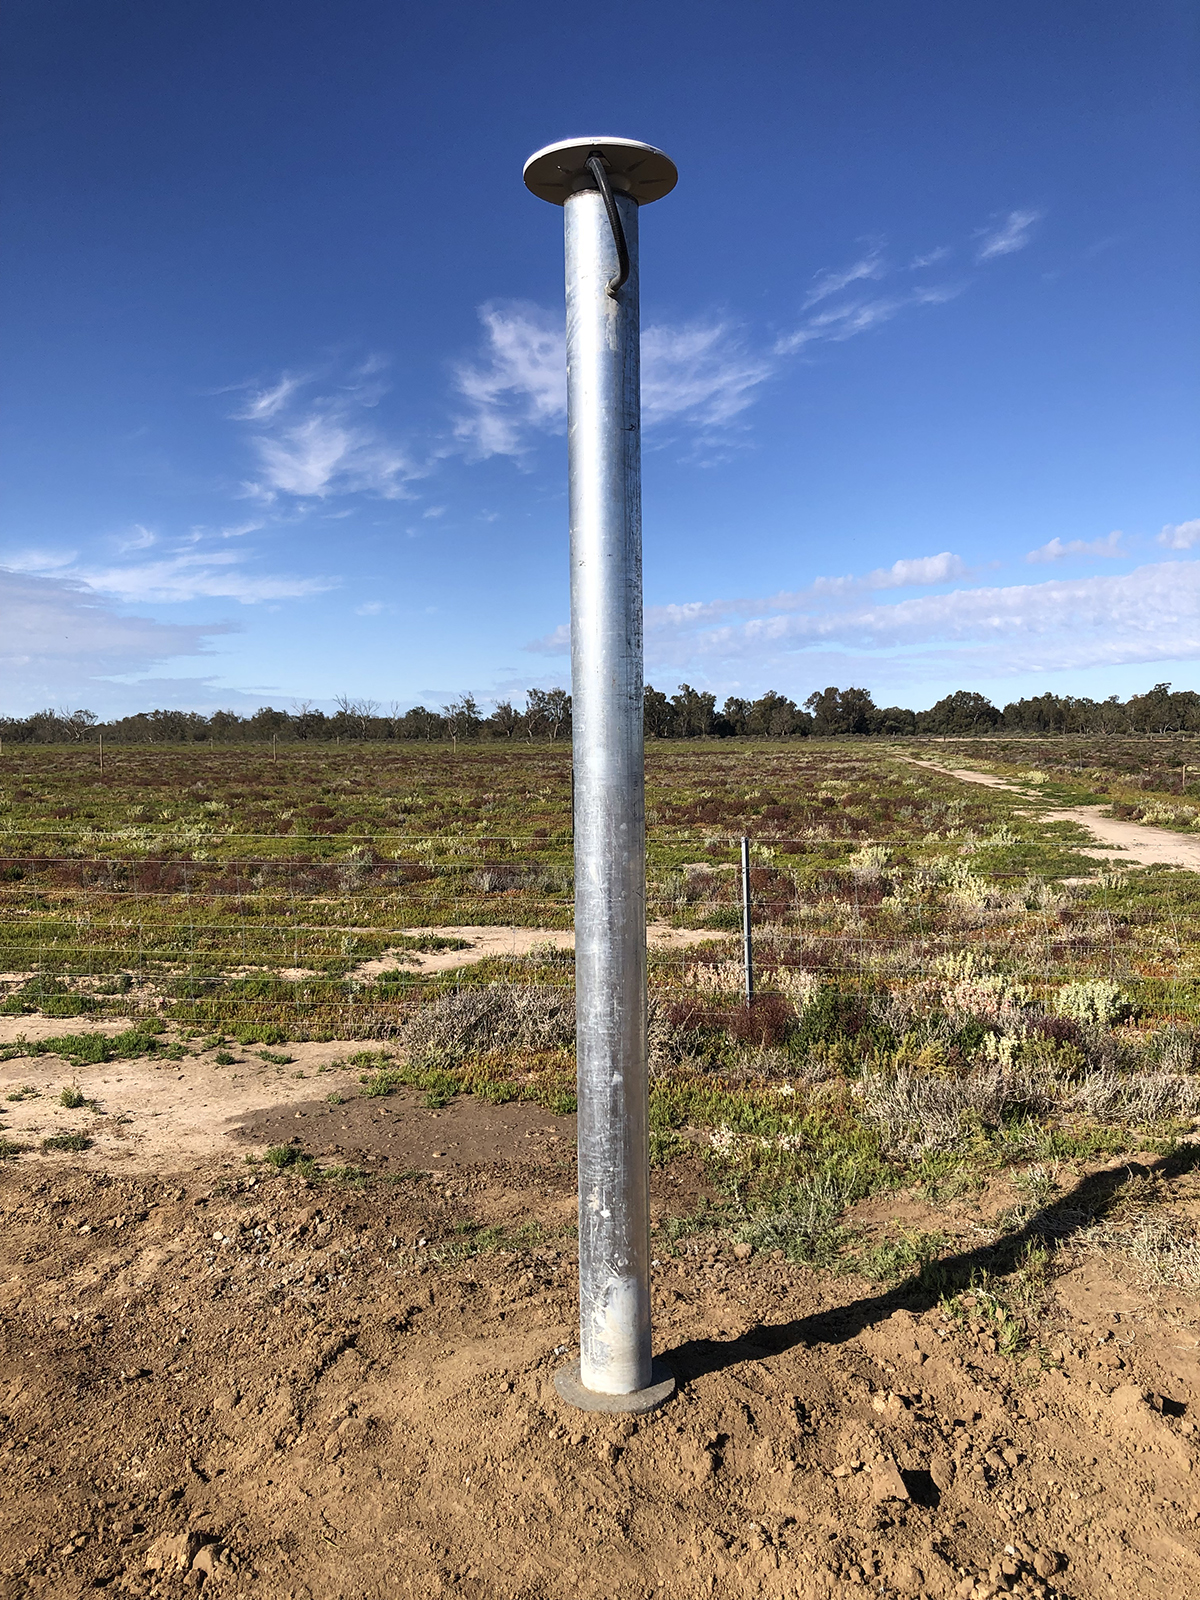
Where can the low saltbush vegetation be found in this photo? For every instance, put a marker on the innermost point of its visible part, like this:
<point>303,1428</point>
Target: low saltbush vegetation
<point>947,990</point>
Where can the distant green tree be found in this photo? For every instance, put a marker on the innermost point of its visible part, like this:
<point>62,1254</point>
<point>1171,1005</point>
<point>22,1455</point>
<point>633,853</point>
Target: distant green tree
<point>419,723</point>
<point>1160,711</point>
<point>462,717</point>
<point>692,712</point>
<point>656,713</point>
<point>774,716</point>
<point>961,712</point>
<point>836,711</point>
<point>733,718</point>
<point>504,720</point>
<point>547,712</point>
<point>894,720</point>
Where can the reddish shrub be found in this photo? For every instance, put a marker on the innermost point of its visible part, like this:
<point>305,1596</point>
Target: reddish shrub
<point>768,1019</point>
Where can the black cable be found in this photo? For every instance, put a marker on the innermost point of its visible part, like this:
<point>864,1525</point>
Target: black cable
<point>595,165</point>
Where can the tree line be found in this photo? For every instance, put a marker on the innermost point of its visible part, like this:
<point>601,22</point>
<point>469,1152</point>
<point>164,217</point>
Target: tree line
<point>687,714</point>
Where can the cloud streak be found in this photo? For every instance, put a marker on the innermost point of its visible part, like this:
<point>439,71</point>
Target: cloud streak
<point>1181,535</point>
<point>190,572</point>
<point>312,446</point>
<point>1151,614</point>
<point>681,617</point>
<point>833,282</point>
<point>698,372</point>
<point>1108,549</point>
<point>701,374</point>
<point>1009,236</point>
<point>62,639</point>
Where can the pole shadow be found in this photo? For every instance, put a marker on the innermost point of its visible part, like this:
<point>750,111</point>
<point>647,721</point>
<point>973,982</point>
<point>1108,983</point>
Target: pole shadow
<point>1054,1224</point>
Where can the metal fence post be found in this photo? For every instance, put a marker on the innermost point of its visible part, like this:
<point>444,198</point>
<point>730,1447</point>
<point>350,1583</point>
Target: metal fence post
<point>601,183</point>
<point>747,944</point>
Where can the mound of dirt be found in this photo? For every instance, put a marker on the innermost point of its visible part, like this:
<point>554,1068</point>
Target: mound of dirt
<point>254,1385</point>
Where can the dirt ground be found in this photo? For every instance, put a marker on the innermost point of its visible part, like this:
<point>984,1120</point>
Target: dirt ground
<point>483,942</point>
<point>224,1377</point>
<point>1142,845</point>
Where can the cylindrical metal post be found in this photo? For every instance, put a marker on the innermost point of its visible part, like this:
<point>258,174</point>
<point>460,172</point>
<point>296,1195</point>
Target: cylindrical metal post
<point>747,942</point>
<point>615,1370</point>
<point>603,428</point>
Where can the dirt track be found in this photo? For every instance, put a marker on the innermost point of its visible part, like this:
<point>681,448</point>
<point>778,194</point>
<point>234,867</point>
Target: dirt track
<point>1144,846</point>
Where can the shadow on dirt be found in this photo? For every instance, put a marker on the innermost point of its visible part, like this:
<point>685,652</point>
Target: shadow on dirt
<point>1089,1202</point>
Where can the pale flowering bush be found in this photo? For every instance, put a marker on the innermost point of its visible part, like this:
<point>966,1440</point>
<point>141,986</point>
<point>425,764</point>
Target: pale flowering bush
<point>796,985</point>
<point>1098,1002</point>
<point>869,864</point>
<point>720,977</point>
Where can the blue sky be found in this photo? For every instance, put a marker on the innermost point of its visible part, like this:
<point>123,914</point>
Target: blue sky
<point>283,396</point>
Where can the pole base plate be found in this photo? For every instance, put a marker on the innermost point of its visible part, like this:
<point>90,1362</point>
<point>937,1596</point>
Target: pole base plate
<point>570,1389</point>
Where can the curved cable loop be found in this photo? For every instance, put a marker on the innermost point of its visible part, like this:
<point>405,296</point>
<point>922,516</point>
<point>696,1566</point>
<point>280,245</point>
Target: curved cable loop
<point>595,165</point>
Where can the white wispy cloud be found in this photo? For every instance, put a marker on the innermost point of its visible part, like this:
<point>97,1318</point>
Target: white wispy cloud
<point>262,404</point>
<point>1181,535</point>
<point>192,571</point>
<point>60,639</point>
<point>834,281</point>
<point>1109,548</point>
<point>703,373</point>
<point>698,372</point>
<point>1150,614</point>
<point>138,538</point>
<point>683,616</point>
<point>860,316</point>
<point>911,572</point>
<point>312,445</point>
<point>519,384</point>
<point>1008,236</point>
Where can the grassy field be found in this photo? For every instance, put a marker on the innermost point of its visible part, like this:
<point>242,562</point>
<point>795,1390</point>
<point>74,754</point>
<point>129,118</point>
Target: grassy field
<point>946,988</point>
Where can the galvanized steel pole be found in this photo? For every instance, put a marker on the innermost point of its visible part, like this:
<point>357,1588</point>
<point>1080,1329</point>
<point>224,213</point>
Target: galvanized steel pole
<point>601,198</point>
<point>747,925</point>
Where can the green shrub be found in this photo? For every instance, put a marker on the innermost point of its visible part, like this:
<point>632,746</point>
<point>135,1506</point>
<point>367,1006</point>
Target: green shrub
<point>67,1141</point>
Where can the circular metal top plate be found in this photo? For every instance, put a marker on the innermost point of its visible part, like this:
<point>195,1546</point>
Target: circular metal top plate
<point>636,169</point>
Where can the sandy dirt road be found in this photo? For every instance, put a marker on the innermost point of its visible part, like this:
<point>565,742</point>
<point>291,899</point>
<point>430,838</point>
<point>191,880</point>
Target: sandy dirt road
<point>1144,846</point>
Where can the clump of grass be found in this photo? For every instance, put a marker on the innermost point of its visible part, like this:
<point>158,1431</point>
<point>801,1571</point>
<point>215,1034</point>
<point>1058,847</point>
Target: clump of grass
<point>10,1149</point>
<point>90,1049</point>
<point>528,1017</point>
<point>917,1112</point>
<point>284,1155</point>
<point>804,1221</point>
<point>275,1060</point>
<point>893,1259</point>
<point>73,1097</point>
<point>260,1033</point>
<point>67,1141</point>
<point>439,1087</point>
<point>22,1092</point>
<point>225,1058</point>
<point>476,1239</point>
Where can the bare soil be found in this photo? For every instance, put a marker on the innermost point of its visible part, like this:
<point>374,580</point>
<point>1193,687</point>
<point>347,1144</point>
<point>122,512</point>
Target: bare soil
<point>228,1378</point>
<point>484,942</point>
<point>1143,845</point>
